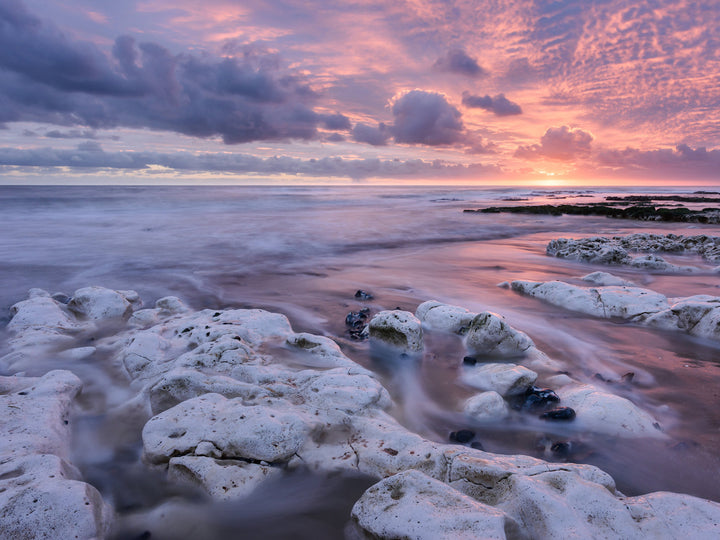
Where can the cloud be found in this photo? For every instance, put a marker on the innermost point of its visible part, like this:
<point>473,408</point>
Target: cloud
<point>499,105</point>
<point>682,162</point>
<point>89,156</point>
<point>426,118</point>
<point>335,122</point>
<point>458,61</point>
<point>72,134</point>
<point>376,136</point>
<point>46,76</point>
<point>560,143</point>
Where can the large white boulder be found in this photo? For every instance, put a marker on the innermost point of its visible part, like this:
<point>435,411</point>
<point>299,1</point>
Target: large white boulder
<point>605,302</point>
<point>397,329</point>
<point>605,413</point>
<point>505,379</point>
<point>486,407</point>
<point>490,335</point>
<point>444,317</point>
<point>414,506</point>
<point>97,303</point>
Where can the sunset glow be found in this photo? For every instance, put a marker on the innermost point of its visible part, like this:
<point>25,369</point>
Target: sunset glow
<point>540,92</point>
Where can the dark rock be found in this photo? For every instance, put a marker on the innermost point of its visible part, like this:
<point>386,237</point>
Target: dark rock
<point>462,436</point>
<point>559,413</point>
<point>535,398</point>
<point>469,361</point>
<point>363,295</point>
<point>628,377</point>
<point>356,321</point>
<point>477,445</point>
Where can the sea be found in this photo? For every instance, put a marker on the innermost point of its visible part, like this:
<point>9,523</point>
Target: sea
<point>304,251</point>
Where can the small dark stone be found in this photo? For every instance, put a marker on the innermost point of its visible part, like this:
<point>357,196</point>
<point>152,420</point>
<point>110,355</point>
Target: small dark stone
<point>23,393</point>
<point>356,319</point>
<point>477,445</point>
<point>559,413</point>
<point>462,436</point>
<point>216,314</point>
<point>628,377</point>
<point>363,295</point>
<point>469,361</point>
<point>561,449</point>
<point>390,451</point>
<point>536,398</point>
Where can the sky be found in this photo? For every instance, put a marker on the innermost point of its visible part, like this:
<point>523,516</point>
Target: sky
<point>486,92</point>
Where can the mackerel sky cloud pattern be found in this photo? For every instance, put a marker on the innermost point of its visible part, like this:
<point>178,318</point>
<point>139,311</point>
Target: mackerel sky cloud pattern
<point>526,89</point>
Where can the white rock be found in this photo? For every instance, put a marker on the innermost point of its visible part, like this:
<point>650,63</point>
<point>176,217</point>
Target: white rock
<point>222,480</point>
<point>36,414</point>
<point>182,384</point>
<point>171,305</point>
<point>336,389</point>
<point>412,505</point>
<point>655,262</point>
<point>322,352</point>
<point>505,379</point>
<point>251,432</point>
<point>257,326</point>
<point>444,317</point>
<point>490,335</point>
<point>41,496</point>
<point>41,311</point>
<point>487,406</point>
<point>397,329</point>
<point>601,412</point>
<point>604,278</point>
<point>605,302</point>
<point>97,303</point>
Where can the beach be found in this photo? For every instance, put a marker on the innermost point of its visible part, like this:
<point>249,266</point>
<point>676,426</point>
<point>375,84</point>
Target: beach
<point>304,253</point>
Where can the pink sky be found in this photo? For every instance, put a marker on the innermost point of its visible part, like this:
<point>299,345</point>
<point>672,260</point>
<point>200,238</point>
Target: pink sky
<point>523,91</point>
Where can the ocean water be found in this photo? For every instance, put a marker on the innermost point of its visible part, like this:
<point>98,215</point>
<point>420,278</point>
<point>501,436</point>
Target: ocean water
<point>304,251</point>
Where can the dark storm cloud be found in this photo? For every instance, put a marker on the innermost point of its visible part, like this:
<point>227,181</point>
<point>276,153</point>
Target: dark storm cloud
<point>426,118</point>
<point>561,143</point>
<point>47,77</point>
<point>498,105</point>
<point>89,156</point>
<point>376,136</point>
<point>458,61</point>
